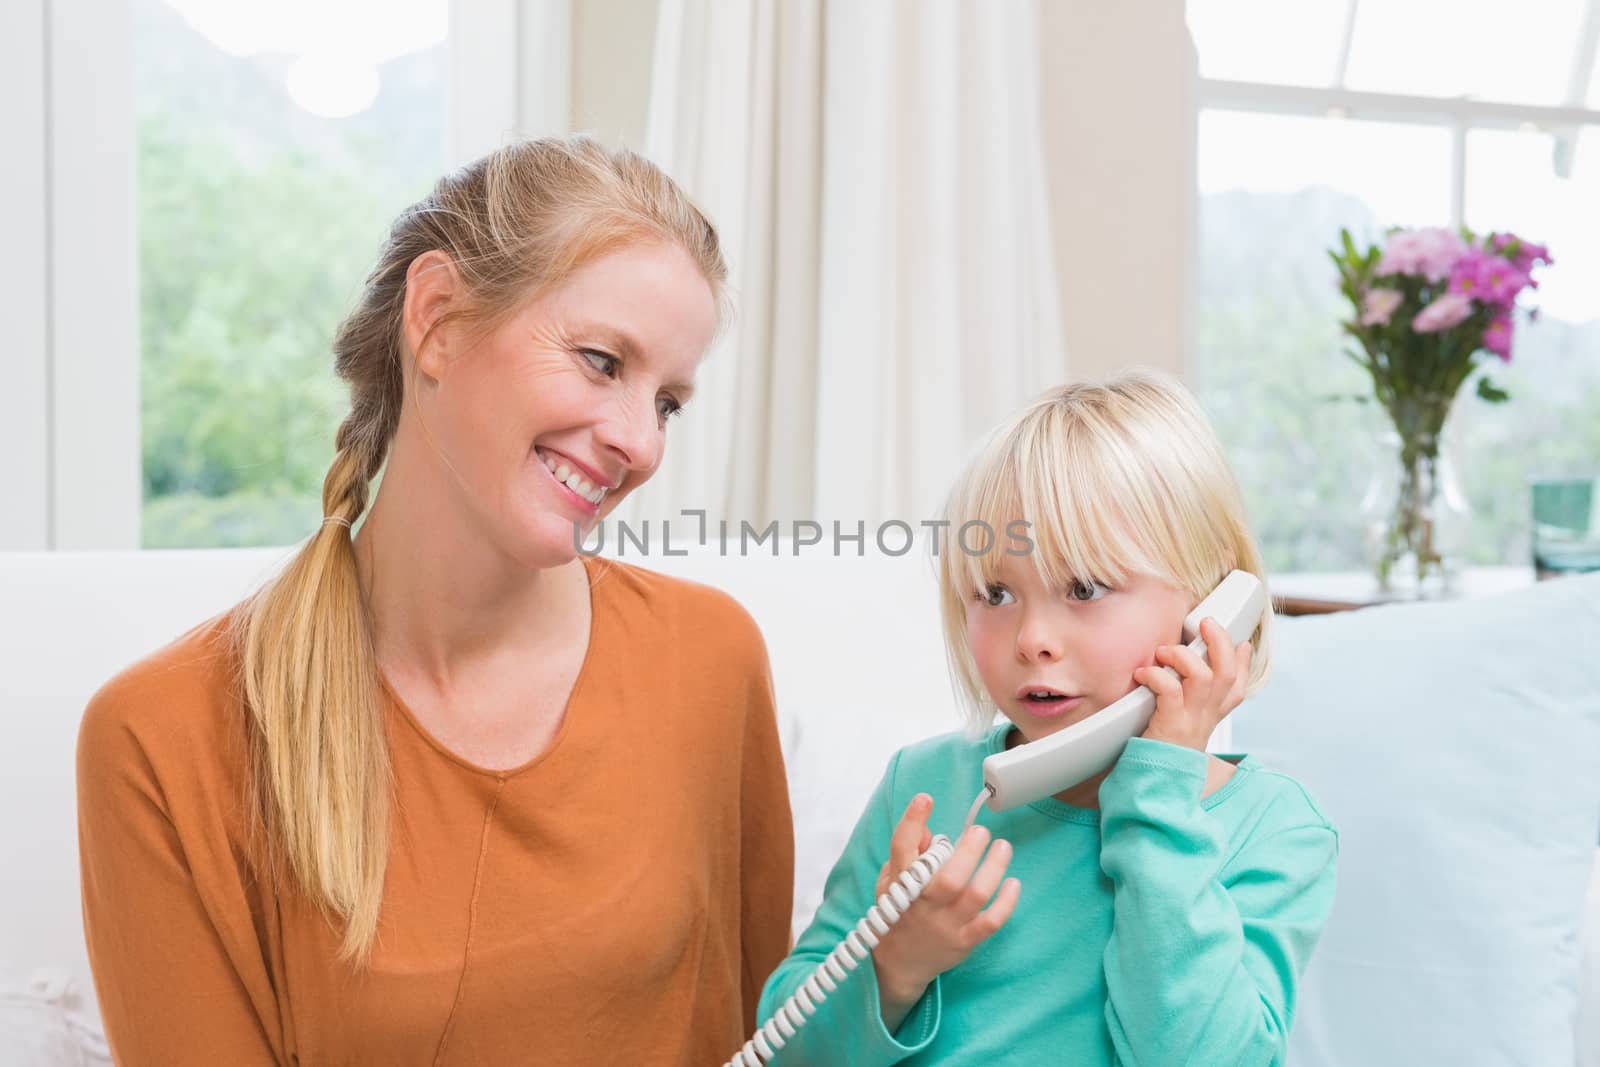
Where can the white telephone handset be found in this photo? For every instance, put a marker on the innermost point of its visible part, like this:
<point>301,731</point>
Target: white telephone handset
<point>1041,768</point>
<point>1020,776</point>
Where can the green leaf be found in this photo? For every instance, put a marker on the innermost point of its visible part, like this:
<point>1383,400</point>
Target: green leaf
<point>1491,392</point>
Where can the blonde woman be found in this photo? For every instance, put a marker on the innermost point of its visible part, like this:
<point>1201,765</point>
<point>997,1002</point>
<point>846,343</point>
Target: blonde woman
<point>447,791</point>
<point>1160,912</point>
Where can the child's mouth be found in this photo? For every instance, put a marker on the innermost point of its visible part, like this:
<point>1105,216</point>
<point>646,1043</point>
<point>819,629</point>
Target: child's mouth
<point>1049,705</point>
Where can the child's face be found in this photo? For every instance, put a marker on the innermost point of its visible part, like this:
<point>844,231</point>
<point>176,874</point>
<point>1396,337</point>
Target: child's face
<point>1084,643</point>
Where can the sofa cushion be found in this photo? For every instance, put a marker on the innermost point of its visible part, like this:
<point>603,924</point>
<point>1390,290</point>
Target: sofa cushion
<point>1456,746</point>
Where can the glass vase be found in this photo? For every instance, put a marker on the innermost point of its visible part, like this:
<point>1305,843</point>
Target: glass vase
<point>1415,517</point>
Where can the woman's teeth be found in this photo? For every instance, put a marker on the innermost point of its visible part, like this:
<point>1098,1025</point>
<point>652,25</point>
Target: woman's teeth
<point>572,479</point>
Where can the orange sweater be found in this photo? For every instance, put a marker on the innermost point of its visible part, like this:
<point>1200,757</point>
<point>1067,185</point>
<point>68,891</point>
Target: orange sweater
<point>620,899</point>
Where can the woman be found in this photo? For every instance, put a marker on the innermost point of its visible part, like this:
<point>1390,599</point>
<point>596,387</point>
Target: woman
<point>447,791</point>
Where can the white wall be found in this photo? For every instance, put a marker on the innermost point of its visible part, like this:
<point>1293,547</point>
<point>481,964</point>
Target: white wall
<point>613,42</point>
<point>1119,85</point>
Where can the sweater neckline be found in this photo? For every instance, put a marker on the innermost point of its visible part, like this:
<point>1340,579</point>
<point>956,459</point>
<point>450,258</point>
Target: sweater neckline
<point>568,714</point>
<point>1061,810</point>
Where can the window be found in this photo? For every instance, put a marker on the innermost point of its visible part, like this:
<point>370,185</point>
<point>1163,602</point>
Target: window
<point>1274,192</point>
<point>275,144</point>
<point>1375,114</point>
<point>1551,425</point>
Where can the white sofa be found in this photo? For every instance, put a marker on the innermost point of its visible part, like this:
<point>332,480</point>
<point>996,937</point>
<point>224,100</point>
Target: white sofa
<point>857,661</point>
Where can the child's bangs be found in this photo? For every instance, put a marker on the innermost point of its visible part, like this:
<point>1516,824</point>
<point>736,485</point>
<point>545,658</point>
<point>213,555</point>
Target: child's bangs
<point>1059,477</point>
<point>988,496</point>
<point>1068,476</point>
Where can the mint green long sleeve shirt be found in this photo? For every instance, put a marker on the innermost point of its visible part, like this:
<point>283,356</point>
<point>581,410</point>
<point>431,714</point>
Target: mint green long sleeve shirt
<point>1162,928</point>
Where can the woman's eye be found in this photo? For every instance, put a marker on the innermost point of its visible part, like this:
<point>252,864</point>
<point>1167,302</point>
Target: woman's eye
<point>996,596</point>
<point>1087,591</point>
<point>600,361</point>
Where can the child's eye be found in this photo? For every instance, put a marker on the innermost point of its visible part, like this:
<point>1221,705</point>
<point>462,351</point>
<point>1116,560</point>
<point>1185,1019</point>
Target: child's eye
<point>1085,592</point>
<point>667,407</point>
<point>609,365</point>
<point>990,595</point>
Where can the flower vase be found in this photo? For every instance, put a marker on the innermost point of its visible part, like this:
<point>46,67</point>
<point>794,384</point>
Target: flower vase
<point>1415,517</point>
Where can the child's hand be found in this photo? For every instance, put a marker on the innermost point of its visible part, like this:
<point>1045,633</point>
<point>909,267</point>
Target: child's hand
<point>1188,709</point>
<point>948,920</point>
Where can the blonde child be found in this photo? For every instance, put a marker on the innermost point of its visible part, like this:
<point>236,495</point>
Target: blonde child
<point>1171,902</point>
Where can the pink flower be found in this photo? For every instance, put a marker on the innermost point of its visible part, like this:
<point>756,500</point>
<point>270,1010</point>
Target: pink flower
<point>1378,305</point>
<point>1488,278</point>
<point>1468,276</point>
<point>1525,254</point>
<point>1503,281</point>
<point>1497,338</point>
<point>1431,253</point>
<point>1449,310</point>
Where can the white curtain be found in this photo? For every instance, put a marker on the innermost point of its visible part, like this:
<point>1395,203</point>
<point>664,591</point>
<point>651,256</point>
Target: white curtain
<point>875,171</point>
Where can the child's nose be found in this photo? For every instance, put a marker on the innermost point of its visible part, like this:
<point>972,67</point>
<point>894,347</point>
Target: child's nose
<point>1038,640</point>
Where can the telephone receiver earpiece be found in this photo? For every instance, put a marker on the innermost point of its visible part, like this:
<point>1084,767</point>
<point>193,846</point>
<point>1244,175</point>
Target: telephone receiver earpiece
<point>1042,768</point>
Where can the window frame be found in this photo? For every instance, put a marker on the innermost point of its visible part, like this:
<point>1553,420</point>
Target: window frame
<point>1457,114</point>
<point>25,521</point>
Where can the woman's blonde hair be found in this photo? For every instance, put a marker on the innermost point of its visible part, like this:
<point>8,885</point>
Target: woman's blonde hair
<point>1117,477</point>
<point>514,223</point>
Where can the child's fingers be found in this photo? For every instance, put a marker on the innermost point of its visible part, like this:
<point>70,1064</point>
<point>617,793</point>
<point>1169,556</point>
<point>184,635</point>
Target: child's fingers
<point>987,880</point>
<point>1219,648</point>
<point>957,870</point>
<point>1236,693</point>
<point>1162,682</point>
<point>885,875</point>
<point>913,827</point>
<point>992,918</point>
<point>1187,661</point>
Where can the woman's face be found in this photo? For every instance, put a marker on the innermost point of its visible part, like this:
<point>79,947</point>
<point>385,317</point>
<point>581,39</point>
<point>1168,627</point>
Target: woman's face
<point>583,379</point>
<point>1084,643</point>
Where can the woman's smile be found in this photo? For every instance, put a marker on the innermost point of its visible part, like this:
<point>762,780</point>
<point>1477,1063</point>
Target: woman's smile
<point>576,483</point>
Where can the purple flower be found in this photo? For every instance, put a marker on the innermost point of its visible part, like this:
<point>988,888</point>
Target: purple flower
<point>1488,278</point>
<point>1431,253</point>
<point>1503,281</point>
<point>1468,276</point>
<point>1497,338</point>
<point>1378,305</point>
<point>1525,254</point>
<point>1447,311</point>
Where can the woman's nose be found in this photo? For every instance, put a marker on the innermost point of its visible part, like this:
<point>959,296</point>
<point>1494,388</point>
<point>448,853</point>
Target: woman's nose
<point>633,433</point>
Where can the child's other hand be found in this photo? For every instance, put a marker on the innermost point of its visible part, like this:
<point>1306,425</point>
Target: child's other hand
<point>1189,707</point>
<point>949,919</point>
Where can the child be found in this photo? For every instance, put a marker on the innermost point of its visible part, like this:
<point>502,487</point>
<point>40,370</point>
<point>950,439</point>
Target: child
<point>1173,901</point>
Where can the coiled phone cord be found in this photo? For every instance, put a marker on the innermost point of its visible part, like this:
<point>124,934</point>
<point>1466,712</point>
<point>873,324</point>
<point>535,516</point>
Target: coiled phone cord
<point>847,955</point>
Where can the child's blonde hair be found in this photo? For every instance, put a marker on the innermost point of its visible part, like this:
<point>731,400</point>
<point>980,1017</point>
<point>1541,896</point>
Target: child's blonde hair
<point>1115,477</point>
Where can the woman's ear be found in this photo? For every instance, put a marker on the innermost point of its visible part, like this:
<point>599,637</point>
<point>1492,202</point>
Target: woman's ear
<point>432,287</point>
